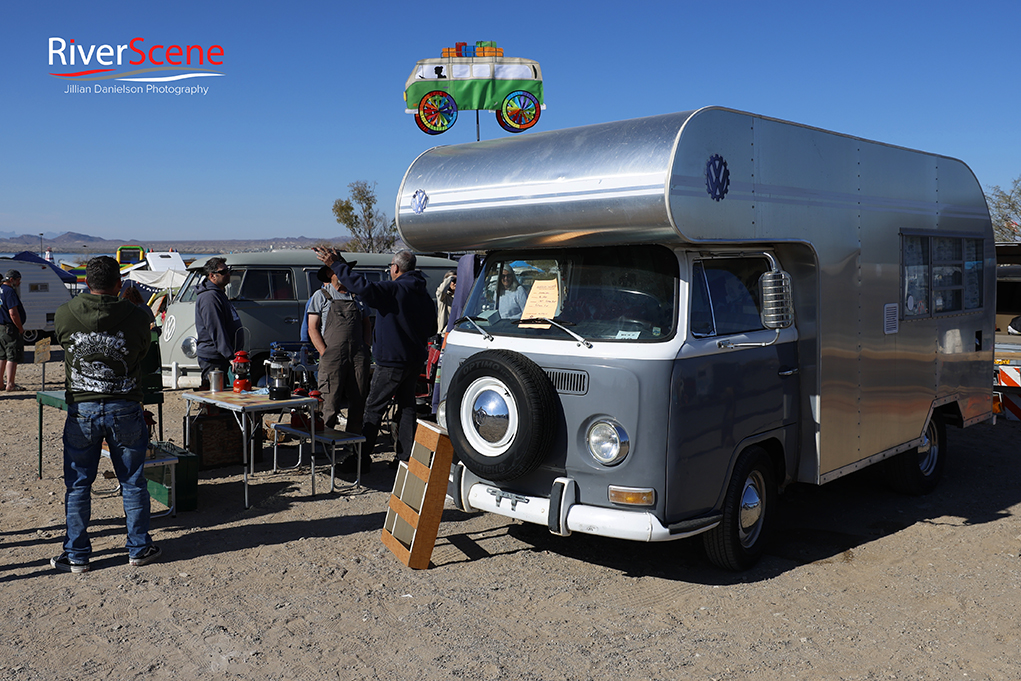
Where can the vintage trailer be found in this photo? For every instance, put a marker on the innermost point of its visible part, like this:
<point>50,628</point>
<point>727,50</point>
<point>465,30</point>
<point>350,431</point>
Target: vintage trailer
<point>41,292</point>
<point>680,315</point>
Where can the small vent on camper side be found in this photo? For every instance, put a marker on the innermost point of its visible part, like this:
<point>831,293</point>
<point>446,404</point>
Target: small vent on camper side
<point>890,318</point>
<point>568,382</point>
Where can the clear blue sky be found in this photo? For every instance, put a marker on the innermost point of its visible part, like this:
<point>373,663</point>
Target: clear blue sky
<point>312,96</point>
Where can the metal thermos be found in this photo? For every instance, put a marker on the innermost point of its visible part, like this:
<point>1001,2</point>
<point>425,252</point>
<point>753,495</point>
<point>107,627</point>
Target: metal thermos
<point>216,380</point>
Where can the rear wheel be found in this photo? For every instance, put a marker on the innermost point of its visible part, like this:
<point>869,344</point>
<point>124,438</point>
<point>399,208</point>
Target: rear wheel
<point>917,471</point>
<point>31,335</point>
<point>519,111</point>
<point>738,541</point>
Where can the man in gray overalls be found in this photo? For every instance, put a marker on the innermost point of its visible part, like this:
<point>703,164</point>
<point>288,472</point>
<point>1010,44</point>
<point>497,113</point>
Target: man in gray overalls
<point>340,328</point>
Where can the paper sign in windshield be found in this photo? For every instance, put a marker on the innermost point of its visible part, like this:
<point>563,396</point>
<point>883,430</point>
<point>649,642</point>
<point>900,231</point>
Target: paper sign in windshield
<point>543,300</point>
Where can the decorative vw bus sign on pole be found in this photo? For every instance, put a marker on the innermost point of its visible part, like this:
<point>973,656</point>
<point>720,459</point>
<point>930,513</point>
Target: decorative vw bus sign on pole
<point>475,77</point>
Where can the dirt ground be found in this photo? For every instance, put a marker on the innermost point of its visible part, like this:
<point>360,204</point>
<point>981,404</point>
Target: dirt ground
<point>859,583</point>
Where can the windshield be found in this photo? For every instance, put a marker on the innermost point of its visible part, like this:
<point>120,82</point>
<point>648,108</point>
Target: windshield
<point>620,293</point>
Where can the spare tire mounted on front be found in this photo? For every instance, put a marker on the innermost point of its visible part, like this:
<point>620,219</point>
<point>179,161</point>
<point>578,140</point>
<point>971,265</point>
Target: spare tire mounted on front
<point>500,414</point>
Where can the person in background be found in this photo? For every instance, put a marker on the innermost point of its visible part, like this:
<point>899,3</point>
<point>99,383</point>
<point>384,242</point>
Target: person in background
<point>512,296</point>
<point>132,295</point>
<point>444,298</point>
<point>468,268</point>
<point>405,321</point>
<point>217,325</point>
<point>340,329</point>
<point>104,339</point>
<point>12,315</point>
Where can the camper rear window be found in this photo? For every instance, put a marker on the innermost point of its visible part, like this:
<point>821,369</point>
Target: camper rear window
<point>620,293</point>
<point>940,275</point>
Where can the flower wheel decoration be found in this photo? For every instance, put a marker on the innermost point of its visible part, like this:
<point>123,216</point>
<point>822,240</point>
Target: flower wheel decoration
<point>519,111</point>
<point>436,112</point>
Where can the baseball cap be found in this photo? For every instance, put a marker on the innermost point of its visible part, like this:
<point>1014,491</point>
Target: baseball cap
<point>325,274</point>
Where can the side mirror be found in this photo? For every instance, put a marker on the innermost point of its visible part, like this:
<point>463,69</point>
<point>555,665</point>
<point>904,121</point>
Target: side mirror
<point>777,299</point>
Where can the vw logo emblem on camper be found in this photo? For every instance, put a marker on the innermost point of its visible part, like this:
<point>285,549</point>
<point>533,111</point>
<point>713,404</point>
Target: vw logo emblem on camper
<point>419,201</point>
<point>169,326</point>
<point>717,177</point>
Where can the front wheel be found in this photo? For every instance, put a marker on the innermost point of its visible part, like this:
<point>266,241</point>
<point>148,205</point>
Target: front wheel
<point>738,541</point>
<point>916,472</point>
<point>437,112</point>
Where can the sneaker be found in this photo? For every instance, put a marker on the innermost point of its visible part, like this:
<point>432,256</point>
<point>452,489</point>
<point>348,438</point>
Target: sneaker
<point>63,562</point>
<point>151,553</point>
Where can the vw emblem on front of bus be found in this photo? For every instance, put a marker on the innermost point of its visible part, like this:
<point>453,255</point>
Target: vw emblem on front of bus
<point>419,201</point>
<point>717,177</point>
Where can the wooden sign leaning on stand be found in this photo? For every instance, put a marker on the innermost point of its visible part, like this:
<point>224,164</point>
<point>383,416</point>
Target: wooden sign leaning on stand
<point>41,355</point>
<point>416,504</point>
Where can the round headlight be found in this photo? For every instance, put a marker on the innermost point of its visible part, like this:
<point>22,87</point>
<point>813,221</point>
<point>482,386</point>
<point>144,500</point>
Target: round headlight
<point>608,442</point>
<point>441,414</point>
<point>190,347</point>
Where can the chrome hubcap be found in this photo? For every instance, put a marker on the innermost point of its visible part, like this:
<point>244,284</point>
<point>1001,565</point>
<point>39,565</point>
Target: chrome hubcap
<point>750,516</point>
<point>490,416</point>
<point>928,451</point>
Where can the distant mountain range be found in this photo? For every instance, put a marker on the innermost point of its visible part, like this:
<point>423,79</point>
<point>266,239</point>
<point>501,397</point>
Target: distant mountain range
<point>13,235</point>
<point>73,242</point>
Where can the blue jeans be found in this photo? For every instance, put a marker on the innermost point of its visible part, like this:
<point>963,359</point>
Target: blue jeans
<point>122,424</point>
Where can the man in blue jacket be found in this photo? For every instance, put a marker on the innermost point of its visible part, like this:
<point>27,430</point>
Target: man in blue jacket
<point>405,321</point>
<point>217,325</point>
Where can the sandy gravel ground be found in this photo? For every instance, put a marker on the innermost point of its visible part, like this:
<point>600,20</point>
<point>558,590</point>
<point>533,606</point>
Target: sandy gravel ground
<point>859,583</point>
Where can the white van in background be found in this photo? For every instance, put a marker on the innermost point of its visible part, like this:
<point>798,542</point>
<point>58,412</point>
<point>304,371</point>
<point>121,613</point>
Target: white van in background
<point>269,292</point>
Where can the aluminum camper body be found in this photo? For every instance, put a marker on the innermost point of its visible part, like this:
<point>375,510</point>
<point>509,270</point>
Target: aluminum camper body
<point>891,264</point>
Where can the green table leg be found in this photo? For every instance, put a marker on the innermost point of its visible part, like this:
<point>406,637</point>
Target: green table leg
<point>40,440</point>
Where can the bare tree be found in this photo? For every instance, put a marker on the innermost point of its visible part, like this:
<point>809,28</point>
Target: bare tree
<point>372,232</point>
<point>1005,211</point>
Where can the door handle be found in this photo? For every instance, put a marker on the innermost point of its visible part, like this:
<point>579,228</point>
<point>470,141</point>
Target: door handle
<point>788,372</point>
<point>290,320</point>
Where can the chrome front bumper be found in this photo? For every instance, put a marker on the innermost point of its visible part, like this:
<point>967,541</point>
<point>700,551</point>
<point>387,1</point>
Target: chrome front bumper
<point>561,513</point>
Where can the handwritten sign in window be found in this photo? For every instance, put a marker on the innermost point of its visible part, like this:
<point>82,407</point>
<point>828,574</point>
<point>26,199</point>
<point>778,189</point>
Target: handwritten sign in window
<point>543,301</point>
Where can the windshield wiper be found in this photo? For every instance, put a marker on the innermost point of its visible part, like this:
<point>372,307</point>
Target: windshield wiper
<point>472,320</point>
<point>562,327</point>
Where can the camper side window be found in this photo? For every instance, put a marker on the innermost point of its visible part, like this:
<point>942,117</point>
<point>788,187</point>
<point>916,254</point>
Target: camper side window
<point>941,275</point>
<point>725,296</point>
<point>267,285</point>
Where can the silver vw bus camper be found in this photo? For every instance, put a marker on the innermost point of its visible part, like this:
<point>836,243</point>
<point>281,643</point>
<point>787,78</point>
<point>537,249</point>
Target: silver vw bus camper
<point>680,315</point>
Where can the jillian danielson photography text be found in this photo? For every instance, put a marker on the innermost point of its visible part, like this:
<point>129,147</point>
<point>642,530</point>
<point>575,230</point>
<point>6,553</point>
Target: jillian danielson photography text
<point>150,89</point>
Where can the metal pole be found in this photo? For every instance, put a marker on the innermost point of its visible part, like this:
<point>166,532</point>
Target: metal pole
<point>477,137</point>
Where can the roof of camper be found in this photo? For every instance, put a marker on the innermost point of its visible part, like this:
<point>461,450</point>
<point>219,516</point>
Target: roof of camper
<point>707,175</point>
